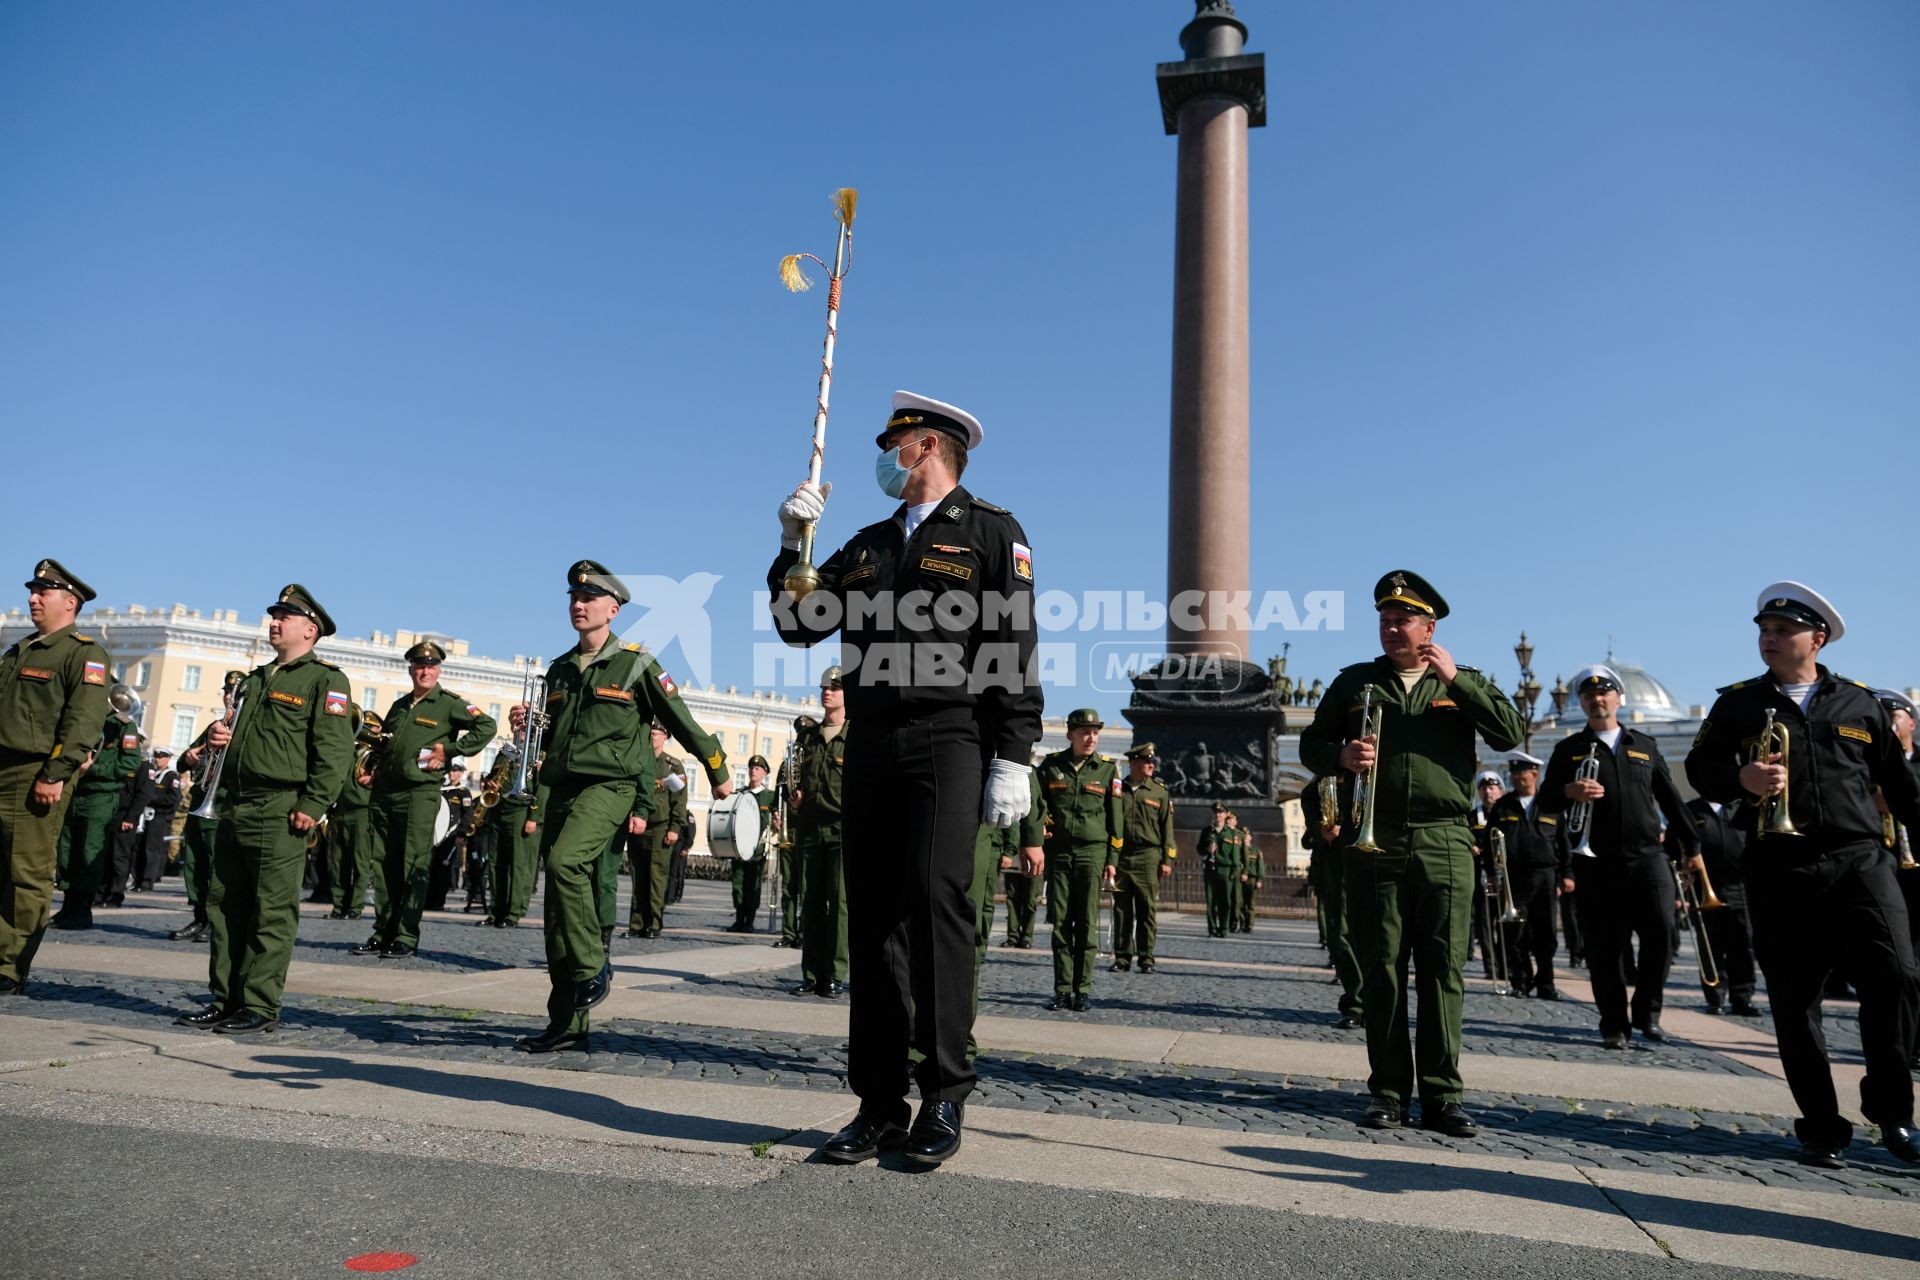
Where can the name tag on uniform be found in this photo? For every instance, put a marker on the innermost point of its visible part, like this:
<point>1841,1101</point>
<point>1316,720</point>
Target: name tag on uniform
<point>286,699</point>
<point>1444,702</point>
<point>425,723</point>
<point>1548,820</point>
<point>1511,817</point>
<point>1638,755</point>
<point>947,567</point>
<point>1151,803</point>
<point>613,693</point>
<point>556,696</point>
<point>35,673</point>
<point>1094,787</point>
<point>951,550</point>
<point>1056,786</point>
<point>1858,735</point>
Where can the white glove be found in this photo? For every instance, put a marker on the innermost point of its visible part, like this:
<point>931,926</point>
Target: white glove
<point>675,783</point>
<point>1008,794</point>
<point>802,507</point>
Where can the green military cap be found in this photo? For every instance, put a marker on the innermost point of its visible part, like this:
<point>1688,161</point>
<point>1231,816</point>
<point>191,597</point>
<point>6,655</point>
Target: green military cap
<point>594,577</point>
<point>1085,718</point>
<point>657,727</point>
<point>426,653</point>
<point>1409,590</point>
<point>759,762</point>
<point>830,678</point>
<point>1140,751</point>
<point>233,677</point>
<point>51,573</point>
<point>803,723</point>
<point>295,598</point>
<point>1219,806</point>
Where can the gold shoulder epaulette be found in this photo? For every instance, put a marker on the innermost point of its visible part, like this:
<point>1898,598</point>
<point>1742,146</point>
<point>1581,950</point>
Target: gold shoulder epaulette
<point>328,665</point>
<point>1737,684</point>
<point>630,648</point>
<point>84,639</point>
<point>988,506</point>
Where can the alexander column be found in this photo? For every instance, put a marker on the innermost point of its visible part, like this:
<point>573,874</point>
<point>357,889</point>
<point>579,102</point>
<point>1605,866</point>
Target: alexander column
<point>1216,724</point>
<point>1210,100</point>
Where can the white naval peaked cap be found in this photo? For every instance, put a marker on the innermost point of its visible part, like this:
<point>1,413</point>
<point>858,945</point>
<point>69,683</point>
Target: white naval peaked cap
<point>1485,776</point>
<point>1801,603</point>
<point>911,409</point>
<point>1601,670</point>
<point>1518,760</point>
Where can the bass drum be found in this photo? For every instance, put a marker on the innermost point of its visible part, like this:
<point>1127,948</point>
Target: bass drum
<point>442,821</point>
<point>733,827</point>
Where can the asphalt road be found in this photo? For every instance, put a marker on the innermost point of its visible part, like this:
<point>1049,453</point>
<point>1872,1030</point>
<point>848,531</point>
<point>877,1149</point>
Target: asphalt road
<point>173,1190</point>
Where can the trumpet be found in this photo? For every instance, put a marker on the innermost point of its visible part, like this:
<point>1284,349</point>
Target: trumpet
<point>214,760</point>
<point>1371,719</point>
<point>1776,818</point>
<point>1694,904</point>
<point>533,692</point>
<point>1580,814</point>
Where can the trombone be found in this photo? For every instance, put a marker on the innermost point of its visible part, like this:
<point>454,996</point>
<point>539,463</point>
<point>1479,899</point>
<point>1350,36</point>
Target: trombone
<point>1580,814</point>
<point>1775,816</point>
<point>1893,834</point>
<point>533,693</point>
<point>1495,925</point>
<point>1695,904</point>
<point>1364,788</point>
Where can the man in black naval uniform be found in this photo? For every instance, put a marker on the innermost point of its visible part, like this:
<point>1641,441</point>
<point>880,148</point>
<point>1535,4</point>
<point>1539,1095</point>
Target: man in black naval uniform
<point>1534,850</point>
<point>934,606</point>
<point>1723,852</point>
<point>1824,897</point>
<point>1627,887</point>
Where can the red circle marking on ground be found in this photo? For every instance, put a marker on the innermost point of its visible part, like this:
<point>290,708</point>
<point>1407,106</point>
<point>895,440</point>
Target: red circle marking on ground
<point>381,1262</point>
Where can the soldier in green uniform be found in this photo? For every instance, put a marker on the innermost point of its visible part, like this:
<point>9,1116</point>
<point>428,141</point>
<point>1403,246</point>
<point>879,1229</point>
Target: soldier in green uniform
<point>820,758</point>
<point>98,790</point>
<point>1324,831</point>
<point>350,848</point>
<point>287,757</point>
<point>516,846</point>
<point>428,726</point>
<point>1146,858</point>
<point>1220,860</point>
<point>748,873</point>
<point>53,700</point>
<point>653,852</point>
<point>196,838</point>
<point>1081,790</point>
<point>1411,899</point>
<point>792,869</point>
<point>597,776</point>
<point>1253,873</point>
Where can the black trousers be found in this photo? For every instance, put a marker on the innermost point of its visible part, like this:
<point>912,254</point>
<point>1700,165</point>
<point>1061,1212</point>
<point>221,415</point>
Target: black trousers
<point>153,847</point>
<point>1570,926</point>
<point>1843,912</point>
<point>125,851</point>
<point>1730,932</point>
<point>1531,943</point>
<point>912,811</point>
<point>1621,900</point>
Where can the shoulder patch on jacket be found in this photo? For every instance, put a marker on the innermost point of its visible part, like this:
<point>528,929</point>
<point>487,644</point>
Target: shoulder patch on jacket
<point>1858,735</point>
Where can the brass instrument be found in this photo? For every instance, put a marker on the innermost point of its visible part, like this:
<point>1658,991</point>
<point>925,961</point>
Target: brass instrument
<point>1894,835</point>
<point>533,693</point>
<point>1775,818</point>
<point>492,789</point>
<point>1694,905</point>
<point>369,743</point>
<point>1509,914</point>
<point>789,775</point>
<point>1364,790</point>
<point>1329,800</point>
<point>214,760</point>
<point>1580,814</point>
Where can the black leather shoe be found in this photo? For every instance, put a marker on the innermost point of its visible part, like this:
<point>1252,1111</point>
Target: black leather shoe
<point>1146,966</point>
<point>810,988</point>
<point>1614,1040</point>
<point>1820,1155</point>
<point>13,986</point>
<point>553,1040</point>
<point>114,900</point>
<point>1348,1021</point>
<point>1451,1119</point>
<point>653,933</point>
<point>1061,1001</point>
<point>864,1139</point>
<point>246,1023</point>
<point>781,942</point>
<point>833,989</point>
<point>1716,1011</point>
<point>935,1135</point>
<point>1744,1009</point>
<point>336,915</point>
<point>1120,966</point>
<point>1383,1113</point>
<point>1653,1033</point>
<point>1899,1141</point>
<point>371,947</point>
<point>205,1019</point>
<point>1546,993</point>
<point>594,989</point>
<point>398,951</point>
<point>1082,1002</point>
<point>634,933</point>
<point>73,922</point>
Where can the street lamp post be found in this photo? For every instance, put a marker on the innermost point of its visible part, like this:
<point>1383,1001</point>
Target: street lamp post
<point>1526,694</point>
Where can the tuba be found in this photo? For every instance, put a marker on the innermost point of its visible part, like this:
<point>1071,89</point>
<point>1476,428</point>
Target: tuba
<point>1364,788</point>
<point>1580,814</point>
<point>1775,818</point>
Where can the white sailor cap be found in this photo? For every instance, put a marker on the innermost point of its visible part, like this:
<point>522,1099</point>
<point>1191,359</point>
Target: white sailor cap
<point>1485,776</point>
<point>1800,603</point>
<point>911,410</point>
<point>1597,678</point>
<point>1520,762</point>
<point>456,762</point>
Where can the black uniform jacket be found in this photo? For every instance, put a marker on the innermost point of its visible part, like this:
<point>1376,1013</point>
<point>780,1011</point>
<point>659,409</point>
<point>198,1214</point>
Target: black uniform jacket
<point>1838,751</point>
<point>1722,843</point>
<point>1533,836</point>
<point>1626,821</point>
<point>941,619</point>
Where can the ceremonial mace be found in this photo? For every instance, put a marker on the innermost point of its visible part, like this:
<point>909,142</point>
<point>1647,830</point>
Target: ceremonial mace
<point>803,577</point>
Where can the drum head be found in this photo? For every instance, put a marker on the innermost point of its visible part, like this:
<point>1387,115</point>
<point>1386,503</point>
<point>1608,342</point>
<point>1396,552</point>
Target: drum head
<point>442,821</point>
<point>733,827</point>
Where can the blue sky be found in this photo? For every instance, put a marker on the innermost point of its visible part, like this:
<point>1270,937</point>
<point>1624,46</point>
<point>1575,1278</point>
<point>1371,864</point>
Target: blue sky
<point>1599,315</point>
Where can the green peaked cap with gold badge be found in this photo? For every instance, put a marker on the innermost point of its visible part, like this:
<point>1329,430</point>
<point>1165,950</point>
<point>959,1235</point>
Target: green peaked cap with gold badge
<point>51,573</point>
<point>295,598</point>
<point>591,575</point>
<point>1406,589</point>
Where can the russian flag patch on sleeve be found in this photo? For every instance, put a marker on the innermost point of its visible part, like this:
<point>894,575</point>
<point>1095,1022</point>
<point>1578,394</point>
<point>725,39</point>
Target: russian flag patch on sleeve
<point>667,685</point>
<point>336,702</point>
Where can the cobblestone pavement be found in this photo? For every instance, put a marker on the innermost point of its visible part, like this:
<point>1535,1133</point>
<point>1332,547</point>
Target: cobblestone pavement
<point>1237,1001</point>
